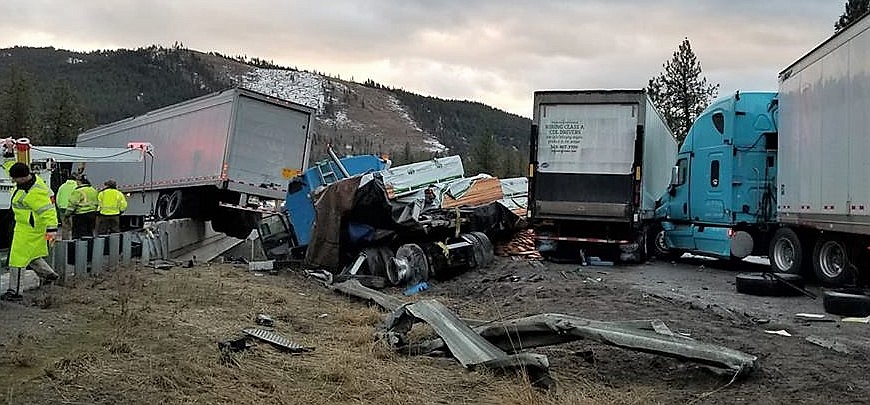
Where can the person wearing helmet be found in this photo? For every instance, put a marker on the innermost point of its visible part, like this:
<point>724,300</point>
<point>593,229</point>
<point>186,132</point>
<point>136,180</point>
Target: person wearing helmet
<point>35,227</point>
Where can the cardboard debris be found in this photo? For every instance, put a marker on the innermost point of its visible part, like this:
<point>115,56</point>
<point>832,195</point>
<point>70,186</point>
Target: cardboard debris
<point>482,191</point>
<point>522,244</point>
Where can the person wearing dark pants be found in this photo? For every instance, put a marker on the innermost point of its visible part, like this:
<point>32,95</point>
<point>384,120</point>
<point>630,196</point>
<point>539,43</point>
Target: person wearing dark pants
<point>112,205</point>
<point>83,205</point>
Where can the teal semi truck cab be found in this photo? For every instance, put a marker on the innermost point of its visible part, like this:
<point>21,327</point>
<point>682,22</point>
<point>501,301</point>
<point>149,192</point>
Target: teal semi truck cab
<point>783,175</point>
<point>721,200</point>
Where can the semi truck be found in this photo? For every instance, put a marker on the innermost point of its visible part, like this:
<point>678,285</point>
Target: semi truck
<point>782,174</point>
<point>225,157</point>
<point>600,159</point>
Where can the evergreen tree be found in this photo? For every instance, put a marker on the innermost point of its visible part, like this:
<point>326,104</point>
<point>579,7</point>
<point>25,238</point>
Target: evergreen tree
<point>680,92</point>
<point>485,155</point>
<point>855,9</point>
<point>62,117</point>
<point>16,103</point>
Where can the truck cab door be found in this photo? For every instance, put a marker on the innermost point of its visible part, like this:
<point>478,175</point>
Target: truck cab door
<point>678,192</point>
<point>678,234</point>
<point>712,188</point>
<point>276,236</point>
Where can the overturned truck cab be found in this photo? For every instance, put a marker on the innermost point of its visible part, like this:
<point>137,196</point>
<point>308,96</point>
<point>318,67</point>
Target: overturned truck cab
<point>600,159</point>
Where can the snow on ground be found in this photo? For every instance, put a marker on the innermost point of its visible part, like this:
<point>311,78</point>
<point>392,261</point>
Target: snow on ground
<point>341,121</point>
<point>299,87</point>
<point>432,143</point>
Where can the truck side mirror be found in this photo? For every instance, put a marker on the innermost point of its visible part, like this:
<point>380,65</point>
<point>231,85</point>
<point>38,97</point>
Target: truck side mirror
<point>675,176</point>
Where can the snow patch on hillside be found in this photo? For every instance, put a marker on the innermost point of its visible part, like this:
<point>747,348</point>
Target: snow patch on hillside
<point>341,121</point>
<point>432,143</point>
<point>299,87</point>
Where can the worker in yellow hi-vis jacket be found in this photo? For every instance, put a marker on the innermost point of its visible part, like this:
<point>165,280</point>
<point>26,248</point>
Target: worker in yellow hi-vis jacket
<point>83,205</point>
<point>35,227</point>
<point>112,205</point>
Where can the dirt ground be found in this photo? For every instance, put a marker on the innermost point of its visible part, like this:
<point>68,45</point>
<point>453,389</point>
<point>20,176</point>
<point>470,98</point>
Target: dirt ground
<point>148,336</point>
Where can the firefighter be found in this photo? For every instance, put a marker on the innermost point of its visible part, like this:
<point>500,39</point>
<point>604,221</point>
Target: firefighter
<point>63,194</point>
<point>83,206</point>
<point>35,227</point>
<point>112,205</point>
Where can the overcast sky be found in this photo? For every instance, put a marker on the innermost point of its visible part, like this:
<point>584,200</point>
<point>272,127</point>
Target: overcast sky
<point>496,52</point>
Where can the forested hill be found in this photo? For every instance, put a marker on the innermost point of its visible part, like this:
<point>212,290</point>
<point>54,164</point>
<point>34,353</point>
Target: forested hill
<point>51,95</point>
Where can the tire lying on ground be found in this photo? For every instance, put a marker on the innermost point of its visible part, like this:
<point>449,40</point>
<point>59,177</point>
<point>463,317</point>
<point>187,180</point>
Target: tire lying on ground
<point>846,303</point>
<point>765,284</point>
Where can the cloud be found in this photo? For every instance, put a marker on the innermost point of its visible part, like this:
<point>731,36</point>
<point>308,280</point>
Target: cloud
<point>496,52</point>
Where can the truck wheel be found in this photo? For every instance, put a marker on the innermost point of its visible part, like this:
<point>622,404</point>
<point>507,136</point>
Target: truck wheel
<point>765,284</point>
<point>846,303</point>
<point>831,262</point>
<point>786,252</point>
<point>174,203</point>
<point>160,207</point>
<point>661,249</point>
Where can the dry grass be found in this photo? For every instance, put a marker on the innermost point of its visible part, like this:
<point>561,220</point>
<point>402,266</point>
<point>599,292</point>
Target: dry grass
<point>141,336</point>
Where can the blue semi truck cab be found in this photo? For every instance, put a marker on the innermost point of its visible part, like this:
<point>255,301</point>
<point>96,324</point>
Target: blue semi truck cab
<point>783,175</point>
<point>721,200</point>
<point>285,235</point>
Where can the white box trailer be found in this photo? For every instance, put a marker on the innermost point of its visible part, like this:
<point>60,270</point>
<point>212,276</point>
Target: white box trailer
<point>600,159</point>
<point>823,169</point>
<point>221,157</point>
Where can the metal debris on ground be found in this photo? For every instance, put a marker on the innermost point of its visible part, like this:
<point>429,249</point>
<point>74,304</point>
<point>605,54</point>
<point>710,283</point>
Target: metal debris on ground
<point>261,265</point>
<point>814,318</point>
<point>469,348</point>
<point>780,332</point>
<point>828,344</point>
<point>265,320</point>
<point>552,329</point>
<point>234,345</point>
<point>354,288</point>
<point>277,340</point>
<point>161,264</point>
<point>522,245</point>
<point>850,319</point>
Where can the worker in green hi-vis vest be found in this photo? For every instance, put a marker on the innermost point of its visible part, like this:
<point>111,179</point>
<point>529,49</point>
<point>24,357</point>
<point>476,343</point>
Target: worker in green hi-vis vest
<point>62,199</point>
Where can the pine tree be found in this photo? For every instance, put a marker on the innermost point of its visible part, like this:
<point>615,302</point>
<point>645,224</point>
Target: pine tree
<point>485,155</point>
<point>855,9</point>
<point>680,92</point>
<point>62,117</point>
<point>16,103</point>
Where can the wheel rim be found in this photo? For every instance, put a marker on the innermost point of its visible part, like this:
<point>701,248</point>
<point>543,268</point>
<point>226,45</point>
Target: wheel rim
<point>172,204</point>
<point>661,246</point>
<point>783,254</point>
<point>832,259</point>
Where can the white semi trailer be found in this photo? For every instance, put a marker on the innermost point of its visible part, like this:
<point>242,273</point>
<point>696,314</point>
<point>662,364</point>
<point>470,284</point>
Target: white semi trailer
<point>223,157</point>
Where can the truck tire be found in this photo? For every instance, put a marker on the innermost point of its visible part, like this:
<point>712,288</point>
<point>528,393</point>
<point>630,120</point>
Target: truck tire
<point>786,252</point>
<point>831,261</point>
<point>765,284</point>
<point>660,247</point>
<point>846,303</point>
<point>174,205</point>
<point>160,207</point>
